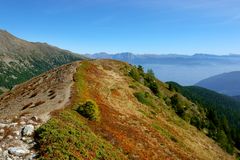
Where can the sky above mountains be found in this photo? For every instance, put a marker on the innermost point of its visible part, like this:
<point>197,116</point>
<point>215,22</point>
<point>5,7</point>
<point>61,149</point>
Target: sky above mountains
<point>139,26</point>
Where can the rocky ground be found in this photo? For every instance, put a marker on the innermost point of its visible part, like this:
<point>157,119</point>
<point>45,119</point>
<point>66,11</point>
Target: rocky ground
<point>20,106</point>
<point>16,138</point>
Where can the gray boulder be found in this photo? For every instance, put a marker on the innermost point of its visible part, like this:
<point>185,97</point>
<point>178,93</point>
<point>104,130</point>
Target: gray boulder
<point>18,151</point>
<point>28,130</point>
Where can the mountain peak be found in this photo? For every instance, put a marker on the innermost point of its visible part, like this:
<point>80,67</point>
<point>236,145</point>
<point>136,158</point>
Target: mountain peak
<point>20,59</point>
<point>3,31</point>
<point>5,34</point>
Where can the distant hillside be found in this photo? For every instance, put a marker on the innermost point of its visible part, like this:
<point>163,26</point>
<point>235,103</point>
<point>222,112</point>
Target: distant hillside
<point>102,109</point>
<point>223,112</point>
<point>236,97</point>
<point>226,83</point>
<point>21,60</point>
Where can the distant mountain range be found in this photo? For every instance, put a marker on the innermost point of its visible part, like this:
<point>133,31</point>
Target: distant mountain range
<point>20,60</point>
<point>226,83</point>
<point>183,69</point>
<point>196,59</point>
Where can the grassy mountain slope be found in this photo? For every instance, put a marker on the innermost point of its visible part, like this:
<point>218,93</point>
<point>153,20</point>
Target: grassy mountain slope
<point>136,120</point>
<point>222,113</point>
<point>132,115</point>
<point>21,60</point>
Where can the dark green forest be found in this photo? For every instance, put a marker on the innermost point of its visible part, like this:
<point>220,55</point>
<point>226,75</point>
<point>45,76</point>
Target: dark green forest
<point>16,73</point>
<point>222,121</point>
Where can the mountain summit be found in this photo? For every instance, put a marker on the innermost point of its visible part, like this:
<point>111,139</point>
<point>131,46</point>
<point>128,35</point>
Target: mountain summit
<point>20,60</point>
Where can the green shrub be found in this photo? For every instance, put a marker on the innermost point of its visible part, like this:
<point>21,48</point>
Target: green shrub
<point>89,110</point>
<point>134,73</point>
<point>178,105</point>
<point>196,122</point>
<point>150,82</point>
<point>67,136</point>
<point>222,139</point>
<point>167,101</point>
<point>132,86</point>
<point>144,98</point>
<point>154,88</point>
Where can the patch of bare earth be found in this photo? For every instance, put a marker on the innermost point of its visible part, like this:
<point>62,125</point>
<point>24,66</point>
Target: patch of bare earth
<point>40,95</point>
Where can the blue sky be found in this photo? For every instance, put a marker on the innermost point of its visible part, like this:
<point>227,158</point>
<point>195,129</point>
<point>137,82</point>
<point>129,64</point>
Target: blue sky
<point>138,26</point>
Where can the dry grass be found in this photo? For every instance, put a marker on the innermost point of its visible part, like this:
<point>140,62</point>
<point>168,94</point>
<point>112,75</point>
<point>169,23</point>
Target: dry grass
<point>127,128</point>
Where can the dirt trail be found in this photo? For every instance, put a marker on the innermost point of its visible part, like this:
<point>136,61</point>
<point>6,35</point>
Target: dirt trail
<point>40,95</point>
<point>67,92</point>
<point>29,106</point>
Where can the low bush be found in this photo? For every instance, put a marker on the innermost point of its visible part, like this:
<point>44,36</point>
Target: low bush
<point>67,136</point>
<point>144,98</point>
<point>89,110</point>
<point>196,122</point>
<point>149,79</point>
<point>134,73</point>
<point>178,105</point>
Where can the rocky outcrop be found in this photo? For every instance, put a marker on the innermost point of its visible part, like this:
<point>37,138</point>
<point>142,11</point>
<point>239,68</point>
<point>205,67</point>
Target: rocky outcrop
<point>18,151</point>
<point>28,130</point>
<point>16,138</point>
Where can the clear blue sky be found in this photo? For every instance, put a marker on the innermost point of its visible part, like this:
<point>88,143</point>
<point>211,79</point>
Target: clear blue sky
<point>139,26</point>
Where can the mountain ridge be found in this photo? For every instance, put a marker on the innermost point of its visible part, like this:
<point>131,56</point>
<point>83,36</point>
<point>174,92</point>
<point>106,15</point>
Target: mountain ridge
<point>20,60</point>
<point>137,115</point>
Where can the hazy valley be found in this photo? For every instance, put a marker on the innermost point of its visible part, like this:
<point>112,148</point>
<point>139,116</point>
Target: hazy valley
<point>183,69</point>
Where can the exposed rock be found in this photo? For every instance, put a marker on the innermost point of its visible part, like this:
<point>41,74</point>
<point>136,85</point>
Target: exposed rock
<point>18,151</point>
<point>5,154</point>
<point>22,123</point>
<point>13,124</point>
<point>28,130</point>
<point>30,157</point>
<point>34,118</point>
<point>1,131</point>
<point>8,158</point>
<point>18,142</point>
<point>31,122</point>
<point>27,140</point>
<point>17,133</point>
<point>2,125</point>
